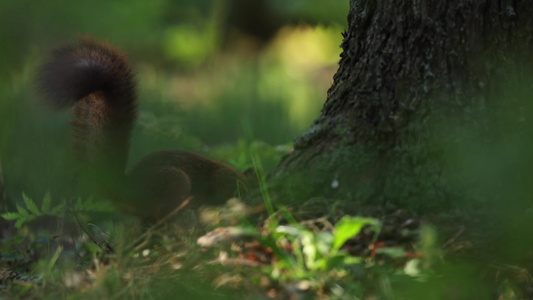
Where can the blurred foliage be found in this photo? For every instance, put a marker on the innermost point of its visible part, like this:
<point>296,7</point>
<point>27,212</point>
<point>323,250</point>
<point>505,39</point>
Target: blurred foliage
<point>211,84</point>
<point>201,78</point>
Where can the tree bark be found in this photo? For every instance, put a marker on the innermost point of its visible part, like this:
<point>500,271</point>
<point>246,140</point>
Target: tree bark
<point>409,71</point>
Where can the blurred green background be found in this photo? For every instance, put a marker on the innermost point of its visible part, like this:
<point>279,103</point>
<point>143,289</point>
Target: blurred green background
<point>225,78</point>
<point>220,78</point>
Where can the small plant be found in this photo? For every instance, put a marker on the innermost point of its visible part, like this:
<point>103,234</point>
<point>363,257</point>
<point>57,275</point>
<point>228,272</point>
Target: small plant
<point>318,252</point>
<point>32,211</point>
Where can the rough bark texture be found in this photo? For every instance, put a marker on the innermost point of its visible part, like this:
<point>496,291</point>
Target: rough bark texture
<point>408,67</point>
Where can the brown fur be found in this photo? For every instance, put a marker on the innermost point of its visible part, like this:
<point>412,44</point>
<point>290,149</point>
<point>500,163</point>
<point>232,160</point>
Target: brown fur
<point>97,80</point>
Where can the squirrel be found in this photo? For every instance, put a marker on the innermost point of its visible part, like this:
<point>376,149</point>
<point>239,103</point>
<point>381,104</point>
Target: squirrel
<point>97,81</point>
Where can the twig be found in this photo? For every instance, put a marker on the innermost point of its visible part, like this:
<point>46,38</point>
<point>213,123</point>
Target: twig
<point>3,193</point>
<point>454,237</point>
<point>163,220</point>
<point>108,249</point>
<point>236,262</point>
<point>322,220</point>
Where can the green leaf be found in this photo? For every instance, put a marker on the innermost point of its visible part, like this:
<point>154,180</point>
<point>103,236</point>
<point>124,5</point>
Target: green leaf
<point>19,223</point>
<point>23,212</point>
<point>58,209</point>
<point>22,220</point>
<point>309,249</point>
<point>412,268</point>
<point>348,227</point>
<point>46,204</point>
<point>316,248</point>
<point>394,252</point>
<point>324,241</point>
<point>11,216</point>
<point>352,260</point>
<point>336,261</point>
<point>54,258</point>
<point>31,205</point>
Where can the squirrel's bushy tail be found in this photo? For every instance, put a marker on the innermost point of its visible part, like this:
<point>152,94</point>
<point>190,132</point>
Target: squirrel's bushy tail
<point>97,80</point>
<point>76,71</point>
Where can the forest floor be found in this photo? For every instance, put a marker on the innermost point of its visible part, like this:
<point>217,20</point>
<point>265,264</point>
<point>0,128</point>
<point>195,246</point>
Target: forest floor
<point>236,251</point>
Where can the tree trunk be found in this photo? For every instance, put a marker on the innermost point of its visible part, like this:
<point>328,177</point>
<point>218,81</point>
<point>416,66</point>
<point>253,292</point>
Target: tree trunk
<point>411,72</point>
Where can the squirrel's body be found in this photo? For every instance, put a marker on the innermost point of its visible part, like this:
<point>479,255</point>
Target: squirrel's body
<point>98,82</point>
<point>209,181</point>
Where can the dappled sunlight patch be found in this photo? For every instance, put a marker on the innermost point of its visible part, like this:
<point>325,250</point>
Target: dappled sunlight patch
<point>233,212</point>
<point>190,45</point>
<point>307,47</point>
<point>280,82</point>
